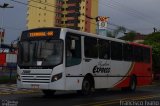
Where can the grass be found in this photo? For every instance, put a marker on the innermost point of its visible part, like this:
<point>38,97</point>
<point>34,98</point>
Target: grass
<point>6,79</point>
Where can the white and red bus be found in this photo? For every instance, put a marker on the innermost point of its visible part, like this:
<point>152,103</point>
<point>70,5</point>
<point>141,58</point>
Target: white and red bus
<point>53,59</point>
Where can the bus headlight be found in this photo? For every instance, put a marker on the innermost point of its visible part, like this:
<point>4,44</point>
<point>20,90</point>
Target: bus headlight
<point>56,77</point>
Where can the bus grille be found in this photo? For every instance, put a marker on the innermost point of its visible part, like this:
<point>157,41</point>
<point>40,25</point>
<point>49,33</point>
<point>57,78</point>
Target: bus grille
<point>36,78</point>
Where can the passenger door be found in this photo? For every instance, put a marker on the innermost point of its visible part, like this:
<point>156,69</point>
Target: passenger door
<point>73,61</point>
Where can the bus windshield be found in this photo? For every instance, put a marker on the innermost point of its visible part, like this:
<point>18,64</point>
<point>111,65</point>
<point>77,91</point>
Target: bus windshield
<point>40,53</point>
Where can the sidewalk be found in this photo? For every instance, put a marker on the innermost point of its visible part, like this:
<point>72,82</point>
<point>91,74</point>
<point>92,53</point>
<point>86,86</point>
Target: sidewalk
<point>6,89</point>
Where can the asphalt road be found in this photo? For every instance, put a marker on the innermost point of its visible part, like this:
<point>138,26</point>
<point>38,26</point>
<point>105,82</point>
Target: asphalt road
<point>144,96</point>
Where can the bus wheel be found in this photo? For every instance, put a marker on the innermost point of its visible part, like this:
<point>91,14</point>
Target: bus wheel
<point>133,84</point>
<point>48,93</point>
<point>87,86</point>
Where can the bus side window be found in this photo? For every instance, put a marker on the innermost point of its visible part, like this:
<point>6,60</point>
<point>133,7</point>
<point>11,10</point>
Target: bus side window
<point>91,47</point>
<point>127,52</point>
<point>116,51</point>
<point>146,55</point>
<point>137,54</point>
<point>104,49</point>
<point>73,49</point>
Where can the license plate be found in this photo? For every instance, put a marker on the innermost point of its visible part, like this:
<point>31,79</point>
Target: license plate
<point>35,86</point>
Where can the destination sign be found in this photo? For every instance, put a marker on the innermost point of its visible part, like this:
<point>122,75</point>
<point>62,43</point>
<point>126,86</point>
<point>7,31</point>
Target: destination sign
<point>41,34</point>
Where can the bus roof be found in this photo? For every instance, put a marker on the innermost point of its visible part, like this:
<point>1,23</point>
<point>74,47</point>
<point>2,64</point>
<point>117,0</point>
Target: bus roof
<point>78,32</point>
<point>89,34</point>
<point>138,44</point>
<point>93,35</point>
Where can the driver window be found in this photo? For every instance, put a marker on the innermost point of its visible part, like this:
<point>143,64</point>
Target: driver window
<point>73,49</point>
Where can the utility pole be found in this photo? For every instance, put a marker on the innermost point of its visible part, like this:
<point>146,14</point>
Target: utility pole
<point>2,30</point>
<point>155,29</point>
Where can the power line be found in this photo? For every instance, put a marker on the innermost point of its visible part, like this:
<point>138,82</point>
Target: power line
<point>110,23</point>
<point>46,9</point>
<point>131,9</point>
<point>137,13</point>
<point>34,6</point>
<point>130,12</point>
<point>13,28</point>
<point>48,4</point>
<point>112,6</point>
<point>53,11</point>
<point>80,14</point>
<point>59,12</point>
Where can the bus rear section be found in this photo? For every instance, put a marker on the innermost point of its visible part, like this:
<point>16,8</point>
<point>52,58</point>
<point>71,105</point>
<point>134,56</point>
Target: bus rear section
<point>140,71</point>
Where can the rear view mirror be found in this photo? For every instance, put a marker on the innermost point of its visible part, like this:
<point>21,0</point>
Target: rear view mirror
<point>73,44</point>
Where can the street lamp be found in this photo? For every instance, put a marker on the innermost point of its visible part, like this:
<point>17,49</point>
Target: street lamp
<point>5,5</point>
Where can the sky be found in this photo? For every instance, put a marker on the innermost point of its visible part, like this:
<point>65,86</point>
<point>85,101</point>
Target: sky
<point>137,15</point>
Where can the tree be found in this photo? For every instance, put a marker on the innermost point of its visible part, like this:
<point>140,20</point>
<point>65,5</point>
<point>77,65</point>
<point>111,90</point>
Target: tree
<point>129,36</point>
<point>110,34</point>
<point>120,29</point>
<point>154,41</point>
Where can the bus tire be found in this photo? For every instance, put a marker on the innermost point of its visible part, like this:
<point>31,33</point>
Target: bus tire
<point>87,86</point>
<point>133,84</point>
<point>48,93</point>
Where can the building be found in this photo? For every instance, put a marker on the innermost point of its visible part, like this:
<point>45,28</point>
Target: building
<point>40,16</point>
<point>73,14</point>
